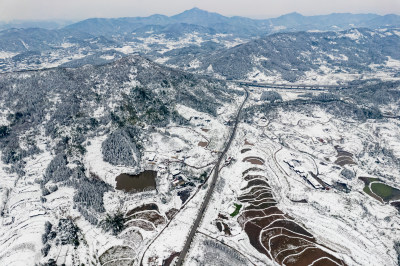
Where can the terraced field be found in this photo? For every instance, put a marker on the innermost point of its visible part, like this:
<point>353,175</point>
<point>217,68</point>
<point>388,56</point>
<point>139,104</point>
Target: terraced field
<point>138,221</point>
<point>343,157</point>
<point>273,232</point>
<point>146,217</point>
<point>118,255</point>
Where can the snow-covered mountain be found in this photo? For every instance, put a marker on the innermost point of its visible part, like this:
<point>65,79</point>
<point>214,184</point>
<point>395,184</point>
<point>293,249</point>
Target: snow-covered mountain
<point>130,142</point>
<point>295,56</point>
<point>54,122</point>
<point>239,26</point>
<point>35,48</point>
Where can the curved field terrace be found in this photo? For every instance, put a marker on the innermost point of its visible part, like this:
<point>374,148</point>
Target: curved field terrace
<point>274,233</point>
<point>254,160</point>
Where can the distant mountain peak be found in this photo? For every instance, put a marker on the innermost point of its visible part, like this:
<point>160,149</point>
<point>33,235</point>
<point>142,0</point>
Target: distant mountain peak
<point>195,11</point>
<point>199,17</point>
<point>293,14</point>
<point>198,10</point>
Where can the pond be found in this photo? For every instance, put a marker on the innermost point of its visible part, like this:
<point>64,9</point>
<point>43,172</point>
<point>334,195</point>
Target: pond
<point>387,193</point>
<point>379,190</point>
<point>144,181</point>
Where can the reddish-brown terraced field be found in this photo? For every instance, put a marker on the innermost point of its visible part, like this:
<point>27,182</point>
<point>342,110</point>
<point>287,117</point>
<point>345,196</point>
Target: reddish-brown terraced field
<point>273,232</point>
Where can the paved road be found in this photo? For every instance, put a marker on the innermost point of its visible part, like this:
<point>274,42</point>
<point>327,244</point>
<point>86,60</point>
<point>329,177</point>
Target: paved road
<point>287,85</point>
<point>290,86</point>
<point>206,200</point>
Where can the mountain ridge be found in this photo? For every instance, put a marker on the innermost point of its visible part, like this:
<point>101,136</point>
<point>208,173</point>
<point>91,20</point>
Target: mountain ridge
<point>247,26</point>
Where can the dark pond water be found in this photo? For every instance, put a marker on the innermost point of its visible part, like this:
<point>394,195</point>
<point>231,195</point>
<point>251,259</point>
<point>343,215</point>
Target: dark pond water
<point>136,183</point>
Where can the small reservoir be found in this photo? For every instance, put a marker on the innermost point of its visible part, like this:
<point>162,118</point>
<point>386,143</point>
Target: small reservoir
<point>144,181</point>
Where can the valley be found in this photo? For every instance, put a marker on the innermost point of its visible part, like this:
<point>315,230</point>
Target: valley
<point>189,141</point>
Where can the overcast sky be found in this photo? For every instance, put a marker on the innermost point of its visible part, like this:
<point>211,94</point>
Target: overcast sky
<point>81,9</point>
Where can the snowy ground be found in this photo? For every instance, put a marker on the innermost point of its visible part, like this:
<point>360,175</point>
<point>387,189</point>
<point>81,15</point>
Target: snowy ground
<point>68,52</point>
<point>299,151</point>
<point>360,229</point>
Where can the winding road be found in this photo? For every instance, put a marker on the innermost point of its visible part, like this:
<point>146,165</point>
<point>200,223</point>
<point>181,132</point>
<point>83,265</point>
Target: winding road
<point>210,191</point>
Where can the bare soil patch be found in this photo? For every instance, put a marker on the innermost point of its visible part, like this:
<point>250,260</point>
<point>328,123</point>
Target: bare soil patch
<point>255,169</point>
<point>251,177</point>
<point>291,226</point>
<point>115,253</point>
<point>203,144</point>
<point>266,221</point>
<point>170,213</point>
<point>227,229</point>
<point>282,242</point>
<point>254,160</point>
<point>253,231</point>
<point>245,150</point>
<point>145,225</point>
<point>151,216</point>
<point>272,210</point>
<point>219,226</point>
<point>260,207</point>
<point>281,256</point>
<point>309,256</point>
<point>145,207</point>
<point>248,143</point>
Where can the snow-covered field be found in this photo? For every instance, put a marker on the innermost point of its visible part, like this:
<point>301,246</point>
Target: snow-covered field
<point>354,227</point>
